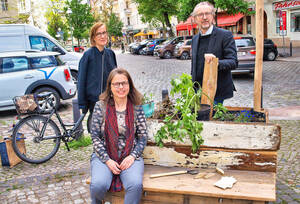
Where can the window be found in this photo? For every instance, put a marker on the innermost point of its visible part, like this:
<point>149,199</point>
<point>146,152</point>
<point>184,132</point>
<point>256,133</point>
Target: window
<point>4,5</point>
<point>37,43</point>
<point>13,64</point>
<point>245,42</point>
<point>248,19</point>
<point>43,62</point>
<point>128,20</point>
<point>49,45</point>
<point>295,22</point>
<point>22,5</point>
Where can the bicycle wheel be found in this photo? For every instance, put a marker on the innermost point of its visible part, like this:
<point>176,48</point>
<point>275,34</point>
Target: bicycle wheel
<point>39,147</point>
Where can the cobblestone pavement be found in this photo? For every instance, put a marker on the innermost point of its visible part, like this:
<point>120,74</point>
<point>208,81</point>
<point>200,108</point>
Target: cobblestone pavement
<point>62,179</point>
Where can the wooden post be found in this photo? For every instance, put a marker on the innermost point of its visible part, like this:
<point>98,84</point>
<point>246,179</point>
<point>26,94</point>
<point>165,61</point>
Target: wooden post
<point>259,53</point>
<point>209,84</point>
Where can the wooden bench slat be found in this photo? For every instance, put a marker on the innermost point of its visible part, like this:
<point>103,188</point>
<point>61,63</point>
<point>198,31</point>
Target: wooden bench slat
<point>251,185</point>
<point>231,135</point>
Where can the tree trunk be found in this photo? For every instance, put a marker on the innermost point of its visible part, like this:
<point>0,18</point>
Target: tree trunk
<point>168,24</point>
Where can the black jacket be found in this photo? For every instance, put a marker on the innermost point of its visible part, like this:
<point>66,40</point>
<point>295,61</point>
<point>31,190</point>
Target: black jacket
<point>89,77</point>
<point>222,45</point>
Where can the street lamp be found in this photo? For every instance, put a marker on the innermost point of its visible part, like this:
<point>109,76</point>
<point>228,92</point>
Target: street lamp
<point>69,11</point>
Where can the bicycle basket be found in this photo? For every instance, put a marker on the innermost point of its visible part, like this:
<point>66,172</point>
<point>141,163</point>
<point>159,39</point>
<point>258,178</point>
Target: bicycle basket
<point>25,104</point>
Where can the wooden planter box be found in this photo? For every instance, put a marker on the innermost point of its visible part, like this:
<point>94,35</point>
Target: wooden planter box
<point>246,151</point>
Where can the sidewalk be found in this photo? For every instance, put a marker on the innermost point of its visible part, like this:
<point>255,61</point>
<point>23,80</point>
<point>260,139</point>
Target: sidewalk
<point>285,113</point>
<point>284,55</point>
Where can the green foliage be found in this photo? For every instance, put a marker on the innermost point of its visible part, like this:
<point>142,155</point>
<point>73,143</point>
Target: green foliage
<point>114,26</point>
<point>81,18</point>
<point>153,10</point>
<point>83,141</point>
<point>147,98</point>
<point>187,105</point>
<point>56,19</point>
<point>222,114</point>
<point>230,6</point>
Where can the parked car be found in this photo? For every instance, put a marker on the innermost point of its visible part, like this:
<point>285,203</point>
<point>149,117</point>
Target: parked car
<point>138,48</point>
<point>20,37</point>
<point>166,49</point>
<point>246,55</point>
<point>26,72</point>
<point>149,49</point>
<point>182,49</point>
<point>78,48</point>
<point>270,50</point>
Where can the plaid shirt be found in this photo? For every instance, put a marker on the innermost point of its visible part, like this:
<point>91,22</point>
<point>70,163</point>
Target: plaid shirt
<point>97,131</point>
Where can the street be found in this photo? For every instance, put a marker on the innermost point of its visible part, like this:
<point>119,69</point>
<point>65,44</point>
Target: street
<point>63,177</point>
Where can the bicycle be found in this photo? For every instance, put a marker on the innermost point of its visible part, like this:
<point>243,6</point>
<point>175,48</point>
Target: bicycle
<point>41,134</point>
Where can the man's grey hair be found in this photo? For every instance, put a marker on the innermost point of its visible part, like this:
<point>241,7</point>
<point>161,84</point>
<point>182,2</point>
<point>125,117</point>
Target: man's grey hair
<point>206,3</point>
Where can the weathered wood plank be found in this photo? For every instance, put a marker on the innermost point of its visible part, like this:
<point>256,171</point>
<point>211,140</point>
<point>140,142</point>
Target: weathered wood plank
<point>250,186</point>
<point>181,156</point>
<point>230,135</point>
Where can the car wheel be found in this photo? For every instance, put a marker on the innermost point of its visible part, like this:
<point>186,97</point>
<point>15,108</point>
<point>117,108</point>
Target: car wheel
<point>167,55</point>
<point>185,56</point>
<point>74,76</point>
<point>55,98</point>
<point>140,51</point>
<point>271,56</point>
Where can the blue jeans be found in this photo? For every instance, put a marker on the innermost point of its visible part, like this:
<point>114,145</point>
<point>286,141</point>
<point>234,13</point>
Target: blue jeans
<point>132,180</point>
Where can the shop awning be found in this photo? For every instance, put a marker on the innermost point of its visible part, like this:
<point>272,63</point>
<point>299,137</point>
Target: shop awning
<point>187,25</point>
<point>139,34</point>
<point>226,20</point>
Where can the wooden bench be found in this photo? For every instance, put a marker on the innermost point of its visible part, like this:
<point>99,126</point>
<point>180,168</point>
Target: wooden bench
<point>248,152</point>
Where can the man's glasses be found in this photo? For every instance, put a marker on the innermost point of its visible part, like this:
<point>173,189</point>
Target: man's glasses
<point>101,34</point>
<point>118,84</point>
<point>201,15</point>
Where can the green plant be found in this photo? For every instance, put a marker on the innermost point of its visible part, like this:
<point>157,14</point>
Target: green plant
<point>147,98</point>
<point>83,141</point>
<point>187,106</point>
<point>222,113</point>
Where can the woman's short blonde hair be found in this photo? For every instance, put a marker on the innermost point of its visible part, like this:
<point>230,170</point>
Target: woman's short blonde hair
<point>93,32</point>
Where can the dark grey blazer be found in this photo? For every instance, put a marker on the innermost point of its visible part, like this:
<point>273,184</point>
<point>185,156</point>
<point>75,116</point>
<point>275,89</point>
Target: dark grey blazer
<point>222,45</point>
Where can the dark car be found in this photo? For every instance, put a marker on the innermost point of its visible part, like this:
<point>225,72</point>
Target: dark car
<point>270,50</point>
<point>166,49</point>
<point>149,49</point>
<point>138,48</point>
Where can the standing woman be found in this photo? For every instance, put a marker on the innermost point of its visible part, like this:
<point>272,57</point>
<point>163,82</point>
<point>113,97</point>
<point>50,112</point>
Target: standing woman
<point>94,68</point>
<point>119,136</point>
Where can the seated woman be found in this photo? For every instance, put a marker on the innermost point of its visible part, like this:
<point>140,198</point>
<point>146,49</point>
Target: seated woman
<point>119,136</point>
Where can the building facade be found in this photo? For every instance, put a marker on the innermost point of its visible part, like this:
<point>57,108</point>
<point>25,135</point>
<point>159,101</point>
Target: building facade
<point>283,21</point>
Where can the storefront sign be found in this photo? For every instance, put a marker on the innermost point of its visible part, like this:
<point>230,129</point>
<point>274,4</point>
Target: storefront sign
<point>282,16</point>
<point>286,4</point>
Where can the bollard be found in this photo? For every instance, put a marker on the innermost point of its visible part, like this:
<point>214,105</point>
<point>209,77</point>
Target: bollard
<point>76,115</point>
<point>164,94</point>
<point>291,48</point>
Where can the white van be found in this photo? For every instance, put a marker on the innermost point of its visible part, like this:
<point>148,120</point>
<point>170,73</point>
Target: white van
<point>20,37</point>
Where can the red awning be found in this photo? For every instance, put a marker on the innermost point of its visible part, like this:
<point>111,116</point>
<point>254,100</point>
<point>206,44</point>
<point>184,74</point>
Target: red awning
<point>226,20</point>
<point>187,25</point>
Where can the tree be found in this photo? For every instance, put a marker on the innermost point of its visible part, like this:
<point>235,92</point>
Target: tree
<point>153,10</point>
<point>56,22</point>
<point>114,26</point>
<point>230,6</point>
<point>80,18</point>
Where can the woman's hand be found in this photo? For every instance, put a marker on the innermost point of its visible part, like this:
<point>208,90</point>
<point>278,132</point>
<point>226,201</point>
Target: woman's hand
<point>127,162</point>
<point>113,166</point>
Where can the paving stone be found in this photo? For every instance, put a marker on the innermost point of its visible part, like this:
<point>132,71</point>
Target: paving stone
<point>78,201</point>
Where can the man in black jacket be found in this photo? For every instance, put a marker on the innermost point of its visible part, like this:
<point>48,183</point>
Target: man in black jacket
<point>94,68</point>
<point>220,44</point>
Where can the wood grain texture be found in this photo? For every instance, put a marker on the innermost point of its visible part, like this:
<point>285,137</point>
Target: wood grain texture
<point>251,186</point>
<point>230,135</point>
<point>182,156</point>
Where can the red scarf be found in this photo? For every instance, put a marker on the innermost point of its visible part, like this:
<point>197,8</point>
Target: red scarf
<point>111,133</point>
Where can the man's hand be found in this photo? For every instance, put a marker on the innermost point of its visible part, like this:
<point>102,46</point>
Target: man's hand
<point>113,166</point>
<point>127,162</point>
<point>209,58</point>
